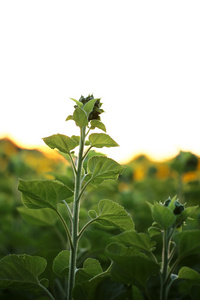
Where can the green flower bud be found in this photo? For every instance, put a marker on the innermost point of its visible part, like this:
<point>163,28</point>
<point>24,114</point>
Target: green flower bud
<point>178,206</point>
<point>95,113</point>
<point>167,202</point>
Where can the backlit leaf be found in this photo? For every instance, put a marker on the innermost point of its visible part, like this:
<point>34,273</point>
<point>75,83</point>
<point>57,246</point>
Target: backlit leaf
<point>21,271</point>
<point>101,168</point>
<point>97,124</point>
<point>131,266</point>
<point>43,193</point>
<point>62,142</point>
<point>100,140</point>
<point>112,214</point>
<point>132,238</point>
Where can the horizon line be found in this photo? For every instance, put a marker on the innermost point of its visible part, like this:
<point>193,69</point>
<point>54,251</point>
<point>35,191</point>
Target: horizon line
<point>53,153</point>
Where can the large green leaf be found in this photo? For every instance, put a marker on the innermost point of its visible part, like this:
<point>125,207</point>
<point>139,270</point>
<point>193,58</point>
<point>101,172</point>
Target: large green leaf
<point>21,271</point>
<point>80,117</point>
<point>62,142</point>
<point>91,268</point>
<point>134,239</point>
<point>131,266</point>
<point>101,168</point>
<point>112,214</point>
<point>61,263</point>
<point>43,193</point>
<point>43,216</point>
<point>187,242</point>
<point>100,140</point>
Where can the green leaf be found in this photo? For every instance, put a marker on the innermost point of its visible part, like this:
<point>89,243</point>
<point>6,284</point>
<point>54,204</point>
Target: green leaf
<point>154,231</point>
<point>97,124</point>
<point>132,238</point>
<point>92,214</point>
<point>91,268</point>
<point>43,217</point>
<point>76,138</point>
<point>70,117</point>
<point>171,205</point>
<point>98,288</point>
<point>101,168</point>
<point>189,274</point>
<point>187,242</point>
<point>62,142</point>
<point>112,214</point>
<point>163,216</point>
<point>88,107</point>
<point>43,193</point>
<point>189,282</point>
<point>80,117</point>
<point>100,140</point>
<point>80,104</point>
<point>61,263</point>
<point>66,179</point>
<point>131,266</point>
<point>21,271</point>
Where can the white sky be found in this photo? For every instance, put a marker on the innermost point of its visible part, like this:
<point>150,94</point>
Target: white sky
<point>141,57</point>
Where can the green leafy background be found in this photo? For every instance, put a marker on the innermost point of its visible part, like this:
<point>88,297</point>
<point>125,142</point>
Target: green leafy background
<point>24,231</point>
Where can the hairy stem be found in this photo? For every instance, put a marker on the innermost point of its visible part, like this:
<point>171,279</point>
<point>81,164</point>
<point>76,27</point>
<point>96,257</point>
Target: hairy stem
<point>75,219</point>
<point>165,261</point>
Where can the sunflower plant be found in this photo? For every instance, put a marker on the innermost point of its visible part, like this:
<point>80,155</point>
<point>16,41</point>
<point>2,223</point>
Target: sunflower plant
<point>47,196</point>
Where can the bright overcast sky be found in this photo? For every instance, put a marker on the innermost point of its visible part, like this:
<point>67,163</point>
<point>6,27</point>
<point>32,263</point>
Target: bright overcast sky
<point>141,57</point>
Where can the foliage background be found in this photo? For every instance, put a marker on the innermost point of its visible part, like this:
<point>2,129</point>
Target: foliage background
<point>143,180</point>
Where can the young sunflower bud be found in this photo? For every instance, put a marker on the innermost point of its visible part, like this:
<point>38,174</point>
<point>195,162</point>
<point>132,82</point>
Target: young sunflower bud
<point>178,206</point>
<point>167,202</point>
<point>95,113</point>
